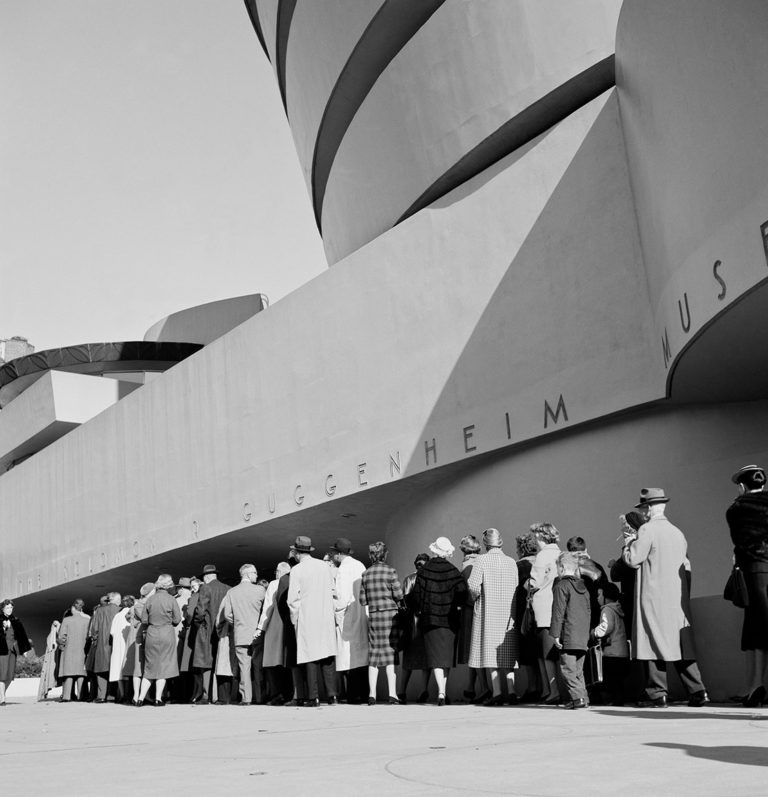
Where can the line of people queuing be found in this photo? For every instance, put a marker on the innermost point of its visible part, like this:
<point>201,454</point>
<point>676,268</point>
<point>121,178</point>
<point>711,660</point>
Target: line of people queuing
<point>328,627</point>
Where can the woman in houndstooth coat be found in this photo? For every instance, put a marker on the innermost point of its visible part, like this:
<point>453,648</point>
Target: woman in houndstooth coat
<point>495,639</point>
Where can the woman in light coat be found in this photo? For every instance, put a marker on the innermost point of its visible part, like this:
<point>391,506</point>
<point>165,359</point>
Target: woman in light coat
<point>50,662</point>
<point>120,631</point>
<point>279,684</point>
<point>495,639</point>
<point>543,574</point>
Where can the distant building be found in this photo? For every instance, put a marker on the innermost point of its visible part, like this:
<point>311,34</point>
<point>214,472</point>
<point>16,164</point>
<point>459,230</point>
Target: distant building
<point>14,347</point>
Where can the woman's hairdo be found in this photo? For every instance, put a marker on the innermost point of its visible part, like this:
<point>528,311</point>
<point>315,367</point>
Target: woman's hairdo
<point>420,559</point>
<point>164,581</point>
<point>6,602</point>
<point>527,545</point>
<point>546,532</point>
<point>377,552</point>
<point>127,601</point>
<point>78,604</point>
<point>469,544</point>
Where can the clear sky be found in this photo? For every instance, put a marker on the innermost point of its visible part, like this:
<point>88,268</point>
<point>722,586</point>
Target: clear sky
<point>146,165</point>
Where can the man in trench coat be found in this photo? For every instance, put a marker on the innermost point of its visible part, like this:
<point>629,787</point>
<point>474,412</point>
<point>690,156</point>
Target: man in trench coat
<point>351,621</point>
<point>662,629</point>
<point>310,602</point>
<point>99,630</point>
<point>209,598</point>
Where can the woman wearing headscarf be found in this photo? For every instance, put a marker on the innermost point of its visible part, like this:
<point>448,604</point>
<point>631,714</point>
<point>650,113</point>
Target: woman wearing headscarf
<point>160,616</point>
<point>495,638</point>
<point>543,574</point>
<point>13,642</point>
<point>438,594</point>
<point>412,640</point>
<point>470,547</point>
<point>73,635</point>
<point>382,594</point>
<point>134,644</point>
<point>119,632</point>
<point>747,519</point>
<point>50,662</point>
<point>527,548</point>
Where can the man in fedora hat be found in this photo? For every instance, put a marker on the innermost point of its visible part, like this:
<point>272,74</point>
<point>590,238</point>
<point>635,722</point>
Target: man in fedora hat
<point>351,621</point>
<point>662,629</point>
<point>209,598</point>
<point>310,602</point>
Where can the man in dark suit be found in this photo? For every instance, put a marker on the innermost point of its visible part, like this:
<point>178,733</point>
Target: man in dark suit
<point>209,600</point>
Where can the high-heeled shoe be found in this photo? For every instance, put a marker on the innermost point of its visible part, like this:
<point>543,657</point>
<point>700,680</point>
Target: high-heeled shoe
<point>755,698</point>
<point>138,703</point>
<point>393,701</point>
<point>371,701</point>
<point>423,697</point>
<point>441,700</point>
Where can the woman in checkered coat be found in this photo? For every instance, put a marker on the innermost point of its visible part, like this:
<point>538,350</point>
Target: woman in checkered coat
<point>381,593</point>
<point>495,639</point>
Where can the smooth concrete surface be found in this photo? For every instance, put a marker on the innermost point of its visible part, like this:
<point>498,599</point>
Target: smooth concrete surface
<point>692,94</point>
<point>322,38</point>
<point>206,322</point>
<point>463,74</point>
<point>435,327</point>
<point>425,751</point>
<point>51,407</point>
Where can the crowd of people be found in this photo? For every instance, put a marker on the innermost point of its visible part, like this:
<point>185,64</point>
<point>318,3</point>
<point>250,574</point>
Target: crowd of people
<point>326,628</point>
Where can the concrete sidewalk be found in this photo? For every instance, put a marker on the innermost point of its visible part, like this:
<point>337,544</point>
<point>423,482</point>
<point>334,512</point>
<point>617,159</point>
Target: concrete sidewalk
<point>87,749</point>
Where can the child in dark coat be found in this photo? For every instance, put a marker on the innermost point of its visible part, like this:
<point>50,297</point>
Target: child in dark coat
<point>570,627</point>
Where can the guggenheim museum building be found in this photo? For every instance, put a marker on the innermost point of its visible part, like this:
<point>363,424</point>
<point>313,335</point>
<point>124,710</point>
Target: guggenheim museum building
<point>546,226</point>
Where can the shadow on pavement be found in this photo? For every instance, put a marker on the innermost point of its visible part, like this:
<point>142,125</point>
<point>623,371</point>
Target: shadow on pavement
<point>748,756</point>
<point>689,714</point>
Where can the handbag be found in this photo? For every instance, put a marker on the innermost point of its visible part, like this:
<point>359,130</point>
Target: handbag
<point>736,589</point>
<point>593,665</point>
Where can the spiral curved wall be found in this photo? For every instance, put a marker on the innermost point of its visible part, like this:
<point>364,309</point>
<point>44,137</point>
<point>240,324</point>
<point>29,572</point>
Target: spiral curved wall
<point>393,104</point>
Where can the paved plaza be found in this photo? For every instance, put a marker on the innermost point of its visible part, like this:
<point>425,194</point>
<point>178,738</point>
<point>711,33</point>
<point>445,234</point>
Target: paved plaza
<point>85,749</point>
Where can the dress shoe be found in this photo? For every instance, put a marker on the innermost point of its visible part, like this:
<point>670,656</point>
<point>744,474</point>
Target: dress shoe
<point>754,699</point>
<point>495,701</point>
<point>312,703</point>
<point>294,704</point>
<point>552,701</point>
<point>333,700</point>
<point>277,701</point>
<point>574,704</point>
<point>99,700</point>
<point>199,701</point>
<point>371,701</point>
<point>653,702</point>
<point>698,699</point>
<point>159,702</point>
<point>480,699</point>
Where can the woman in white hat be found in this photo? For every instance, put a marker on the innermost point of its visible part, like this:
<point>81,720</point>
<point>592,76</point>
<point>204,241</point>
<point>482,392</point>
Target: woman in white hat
<point>438,594</point>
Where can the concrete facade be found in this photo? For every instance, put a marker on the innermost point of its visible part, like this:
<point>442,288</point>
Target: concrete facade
<point>552,333</point>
